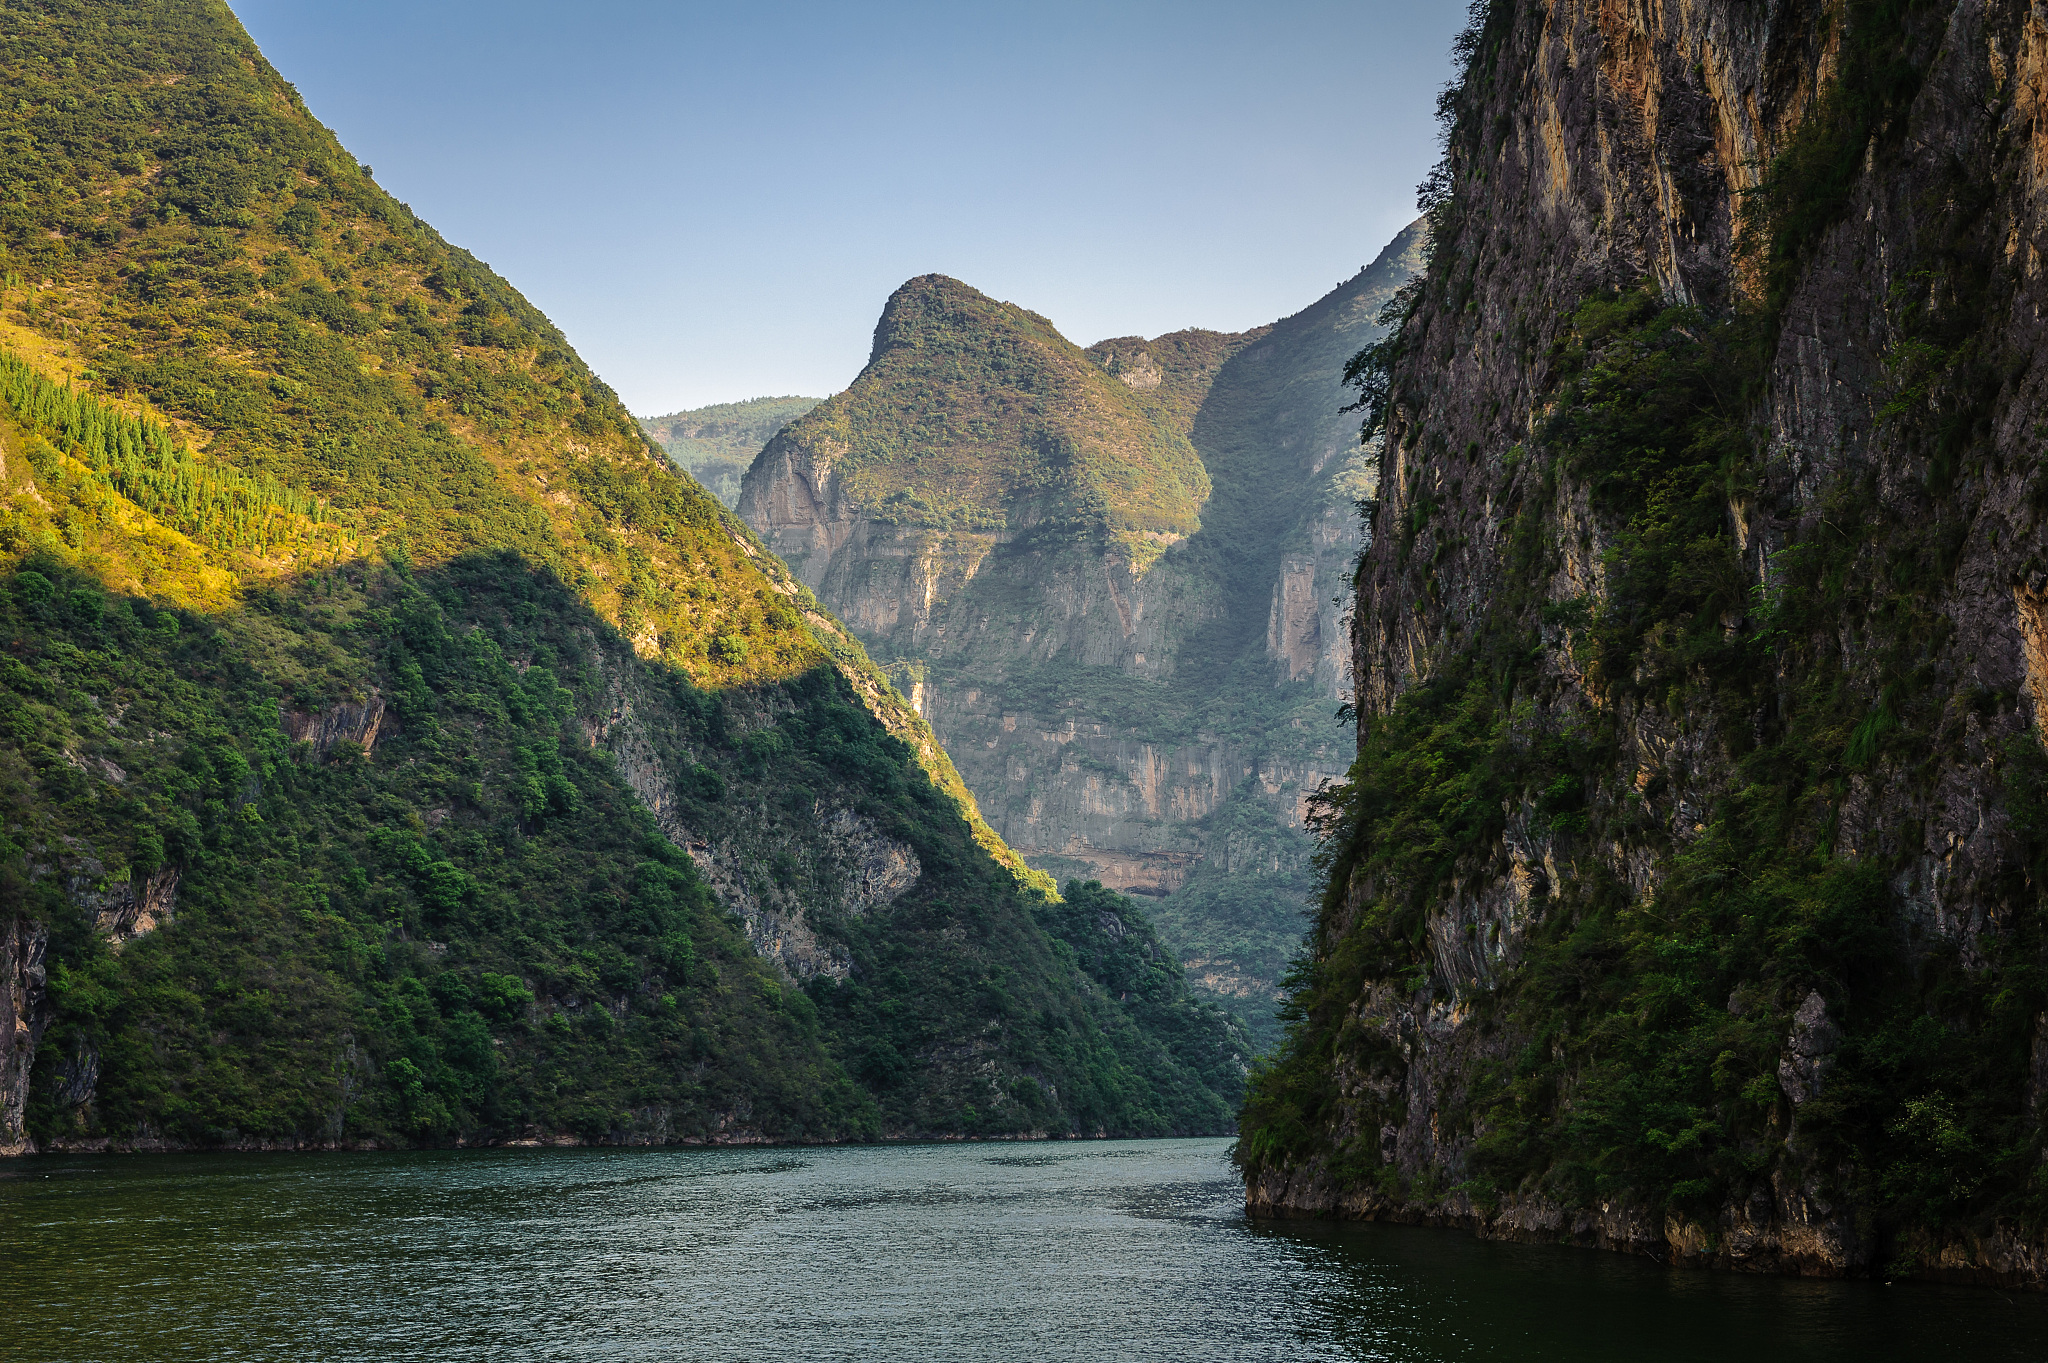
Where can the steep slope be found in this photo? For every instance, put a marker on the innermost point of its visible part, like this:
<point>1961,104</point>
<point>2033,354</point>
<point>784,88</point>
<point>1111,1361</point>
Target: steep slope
<point>715,444</point>
<point>977,417</point>
<point>1686,896</point>
<point>396,749</point>
<point>1135,672</point>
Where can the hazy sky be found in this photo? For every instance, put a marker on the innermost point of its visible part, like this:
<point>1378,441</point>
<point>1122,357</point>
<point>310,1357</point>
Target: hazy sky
<point>714,201</point>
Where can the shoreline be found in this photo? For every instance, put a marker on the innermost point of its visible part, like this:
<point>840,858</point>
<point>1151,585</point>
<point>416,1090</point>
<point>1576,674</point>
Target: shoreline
<point>1834,1245</point>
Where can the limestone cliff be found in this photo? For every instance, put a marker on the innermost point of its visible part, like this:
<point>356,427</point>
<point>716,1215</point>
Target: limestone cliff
<point>1110,580</point>
<point>23,978</point>
<point>1686,897</point>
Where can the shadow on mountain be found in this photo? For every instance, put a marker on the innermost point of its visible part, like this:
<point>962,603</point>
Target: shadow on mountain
<point>392,855</point>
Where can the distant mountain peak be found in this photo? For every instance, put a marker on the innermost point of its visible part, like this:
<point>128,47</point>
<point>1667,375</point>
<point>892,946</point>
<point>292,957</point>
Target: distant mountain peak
<point>976,414</point>
<point>1150,706</point>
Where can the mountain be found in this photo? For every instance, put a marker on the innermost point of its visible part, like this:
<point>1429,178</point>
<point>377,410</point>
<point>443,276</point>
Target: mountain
<point>1686,896</point>
<point>1106,578</point>
<point>395,749</point>
<point>715,444</point>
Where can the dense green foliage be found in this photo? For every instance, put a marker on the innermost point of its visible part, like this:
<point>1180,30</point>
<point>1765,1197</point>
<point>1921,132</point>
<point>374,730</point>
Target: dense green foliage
<point>971,411</point>
<point>477,929</point>
<point>1644,1033</point>
<point>1115,945</point>
<point>1073,1070</point>
<point>473,930</point>
<point>275,460</point>
<point>181,234</point>
<point>144,462</point>
<point>715,444</point>
<point>186,234</point>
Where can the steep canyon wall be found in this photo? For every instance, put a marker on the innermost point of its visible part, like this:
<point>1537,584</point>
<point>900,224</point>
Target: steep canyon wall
<point>1686,895</point>
<point>1150,709</point>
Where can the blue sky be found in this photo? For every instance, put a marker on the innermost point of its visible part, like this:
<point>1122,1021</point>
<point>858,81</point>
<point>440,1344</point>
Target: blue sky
<point>714,201</point>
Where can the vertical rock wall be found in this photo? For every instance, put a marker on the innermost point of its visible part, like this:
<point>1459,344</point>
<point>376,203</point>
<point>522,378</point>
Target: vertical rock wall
<point>1893,429</point>
<point>22,1019</point>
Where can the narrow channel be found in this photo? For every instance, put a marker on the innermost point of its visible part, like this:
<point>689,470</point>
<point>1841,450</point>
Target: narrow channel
<point>1054,1250</point>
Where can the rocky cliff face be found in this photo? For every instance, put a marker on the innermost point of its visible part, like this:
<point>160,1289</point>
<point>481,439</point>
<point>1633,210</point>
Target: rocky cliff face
<point>1111,581</point>
<point>23,978</point>
<point>1686,896</point>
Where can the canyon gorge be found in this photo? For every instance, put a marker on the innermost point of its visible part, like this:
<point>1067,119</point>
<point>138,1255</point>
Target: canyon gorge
<point>1112,579</point>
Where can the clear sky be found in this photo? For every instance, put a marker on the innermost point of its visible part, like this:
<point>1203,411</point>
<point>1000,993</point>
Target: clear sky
<point>713,201</point>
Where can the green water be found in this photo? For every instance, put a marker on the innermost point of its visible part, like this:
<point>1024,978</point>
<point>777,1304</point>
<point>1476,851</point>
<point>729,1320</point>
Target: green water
<point>1100,1250</point>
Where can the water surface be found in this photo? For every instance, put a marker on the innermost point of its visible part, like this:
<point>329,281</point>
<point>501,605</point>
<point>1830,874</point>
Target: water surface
<point>1060,1250</point>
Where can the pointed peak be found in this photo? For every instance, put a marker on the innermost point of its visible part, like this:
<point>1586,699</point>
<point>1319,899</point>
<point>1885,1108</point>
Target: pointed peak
<point>934,306</point>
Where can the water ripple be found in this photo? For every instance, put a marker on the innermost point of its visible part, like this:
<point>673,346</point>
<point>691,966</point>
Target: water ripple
<point>1107,1250</point>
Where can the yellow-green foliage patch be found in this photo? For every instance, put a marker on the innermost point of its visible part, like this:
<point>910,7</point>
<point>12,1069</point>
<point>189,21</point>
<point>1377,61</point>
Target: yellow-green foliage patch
<point>977,415</point>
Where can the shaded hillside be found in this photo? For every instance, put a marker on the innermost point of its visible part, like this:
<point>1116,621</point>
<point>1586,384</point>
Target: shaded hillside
<point>1281,537</point>
<point>715,444</point>
<point>396,748</point>
<point>1147,710</point>
<point>1686,897</point>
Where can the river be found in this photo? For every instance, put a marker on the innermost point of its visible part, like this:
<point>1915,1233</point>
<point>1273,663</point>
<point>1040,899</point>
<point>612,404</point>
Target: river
<point>1059,1250</point>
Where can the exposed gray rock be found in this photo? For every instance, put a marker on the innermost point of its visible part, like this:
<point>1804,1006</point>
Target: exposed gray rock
<point>776,883</point>
<point>23,1016</point>
<point>1623,142</point>
<point>134,907</point>
<point>1809,1051</point>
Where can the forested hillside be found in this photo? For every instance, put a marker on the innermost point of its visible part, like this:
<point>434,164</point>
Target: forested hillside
<point>1686,896</point>
<point>394,748</point>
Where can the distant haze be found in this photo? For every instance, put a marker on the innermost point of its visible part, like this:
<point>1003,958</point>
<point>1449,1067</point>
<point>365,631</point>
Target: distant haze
<point>715,200</point>
<point>716,443</point>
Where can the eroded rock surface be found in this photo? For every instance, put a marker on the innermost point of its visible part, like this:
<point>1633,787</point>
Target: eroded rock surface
<point>1608,149</point>
<point>23,981</point>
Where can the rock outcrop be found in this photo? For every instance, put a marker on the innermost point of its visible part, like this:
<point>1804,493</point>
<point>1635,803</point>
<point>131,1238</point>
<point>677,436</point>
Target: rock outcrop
<point>774,880</point>
<point>359,722</point>
<point>715,444</point>
<point>23,980</point>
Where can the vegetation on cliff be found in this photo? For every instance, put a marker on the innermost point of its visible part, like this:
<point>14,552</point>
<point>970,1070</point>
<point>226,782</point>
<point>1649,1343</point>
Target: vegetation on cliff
<point>1648,1029</point>
<point>365,669</point>
<point>474,927</point>
<point>1157,718</point>
<point>974,414</point>
<point>1141,1055</point>
<point>1712,767</point>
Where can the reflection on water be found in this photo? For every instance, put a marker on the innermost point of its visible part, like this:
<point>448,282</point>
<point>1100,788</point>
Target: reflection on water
<point>1120,1250</point>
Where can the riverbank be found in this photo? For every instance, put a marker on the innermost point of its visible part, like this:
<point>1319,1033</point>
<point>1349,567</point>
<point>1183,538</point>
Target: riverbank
<point>1792,1233</point>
